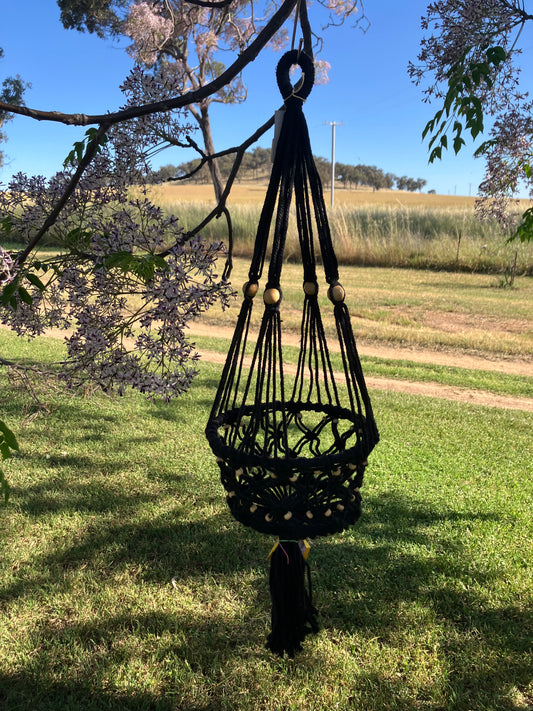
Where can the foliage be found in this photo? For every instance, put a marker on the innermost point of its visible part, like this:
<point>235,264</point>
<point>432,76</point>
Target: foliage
<point>99,16</point>
<point>460,104</point>
<point>256,163</point>
<point>125,281</point>
<point>471,55</point>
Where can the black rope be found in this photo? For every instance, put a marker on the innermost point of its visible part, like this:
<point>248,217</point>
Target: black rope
<point>292,455</point>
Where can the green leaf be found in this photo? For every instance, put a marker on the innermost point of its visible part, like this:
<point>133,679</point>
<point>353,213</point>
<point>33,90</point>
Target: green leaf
<point>484,147</point>
<point>449,100</point>
<point>496,55</point>
<point>7,292</point>
<point>433,139</point>
<point>7,435</point>
<point>435,153</point>
<point>118,259</point>
<point>142,266</point>
<point>524,231</point>
<point>428,127</point>
<point>25,296</point>
<point>34,279</point>
<point>76,154</point>
<point>458,142</point>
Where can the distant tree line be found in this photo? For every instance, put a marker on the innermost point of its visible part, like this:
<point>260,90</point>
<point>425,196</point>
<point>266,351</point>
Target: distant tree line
<point>256,165</point>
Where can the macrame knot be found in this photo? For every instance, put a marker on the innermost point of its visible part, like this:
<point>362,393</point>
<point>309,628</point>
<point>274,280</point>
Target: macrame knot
<point>295,94</point>
<point>292,445</point>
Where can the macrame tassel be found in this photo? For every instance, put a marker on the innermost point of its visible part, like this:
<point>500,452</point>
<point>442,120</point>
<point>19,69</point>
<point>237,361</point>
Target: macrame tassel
<point>293,614</point>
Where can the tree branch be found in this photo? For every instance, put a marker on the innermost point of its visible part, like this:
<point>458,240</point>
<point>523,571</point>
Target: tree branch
<point>209,3</point>
<point>92,148</point>
<point>178,102</point>
<point>239,151</point>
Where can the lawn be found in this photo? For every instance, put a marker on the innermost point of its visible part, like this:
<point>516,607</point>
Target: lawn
<point>406,307</point>
<point>424,604</point>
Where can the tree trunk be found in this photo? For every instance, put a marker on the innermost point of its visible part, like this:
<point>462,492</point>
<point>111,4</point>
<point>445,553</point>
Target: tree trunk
<point>205,127</point>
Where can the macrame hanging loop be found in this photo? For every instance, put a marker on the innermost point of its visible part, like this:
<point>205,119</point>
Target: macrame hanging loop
<point>292,442</point>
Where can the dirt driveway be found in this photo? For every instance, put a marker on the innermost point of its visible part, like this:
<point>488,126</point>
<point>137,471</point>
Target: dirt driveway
<point>475,397</point>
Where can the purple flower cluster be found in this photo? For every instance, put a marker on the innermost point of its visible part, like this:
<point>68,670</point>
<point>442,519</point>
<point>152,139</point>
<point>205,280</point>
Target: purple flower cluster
<point>121,276</point>
<point>8,268</point>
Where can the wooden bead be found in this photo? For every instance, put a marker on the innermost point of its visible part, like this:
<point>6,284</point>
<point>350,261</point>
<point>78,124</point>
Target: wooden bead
<point>309,514</point>
<point>272,296</point>
<point>253,508</point>
<point>340,507</point>
<point>287,516</point>
<point>336,472</point>
<point>250,289</point>
<point>231,494</point>
<point>310,288</point>
<point>268,517</point>
<point>327,512</point>
<point>336,293</point>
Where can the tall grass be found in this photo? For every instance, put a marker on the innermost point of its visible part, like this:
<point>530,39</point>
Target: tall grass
<point>450,238</point>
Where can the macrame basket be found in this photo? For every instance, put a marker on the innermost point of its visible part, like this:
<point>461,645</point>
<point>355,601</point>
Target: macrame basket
<point>292,442</point>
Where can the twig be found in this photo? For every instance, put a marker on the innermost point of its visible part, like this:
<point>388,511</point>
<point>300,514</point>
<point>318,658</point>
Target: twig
<point>221,205</point>
<point>92,148</point>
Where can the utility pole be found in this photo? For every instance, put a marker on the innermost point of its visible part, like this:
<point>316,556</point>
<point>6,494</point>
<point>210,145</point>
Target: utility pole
<point>333,124</point>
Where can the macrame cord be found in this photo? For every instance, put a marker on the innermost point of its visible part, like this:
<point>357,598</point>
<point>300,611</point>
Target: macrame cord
<point>292,451</point>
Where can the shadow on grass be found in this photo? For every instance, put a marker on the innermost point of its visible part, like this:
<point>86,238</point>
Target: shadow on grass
<point>85,686</point>
<point>406,566</point>
<point>397,572</point>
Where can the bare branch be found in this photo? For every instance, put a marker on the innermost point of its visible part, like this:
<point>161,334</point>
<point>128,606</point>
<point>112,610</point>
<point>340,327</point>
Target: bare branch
<point>239,151</point>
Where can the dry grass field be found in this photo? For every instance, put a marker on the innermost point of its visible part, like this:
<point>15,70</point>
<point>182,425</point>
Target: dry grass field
<point>386,228</point>
<point>253,193</point>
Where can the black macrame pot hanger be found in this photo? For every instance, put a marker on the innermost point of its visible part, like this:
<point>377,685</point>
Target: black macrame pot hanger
<point>292,442</point>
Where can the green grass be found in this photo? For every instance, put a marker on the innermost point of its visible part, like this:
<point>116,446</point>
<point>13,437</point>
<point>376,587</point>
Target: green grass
<point>487,380</point>
<point>435,310</point>
<point>425,603</point>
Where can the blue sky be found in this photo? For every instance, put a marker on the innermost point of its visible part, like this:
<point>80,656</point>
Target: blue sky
<point>369,91</point>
